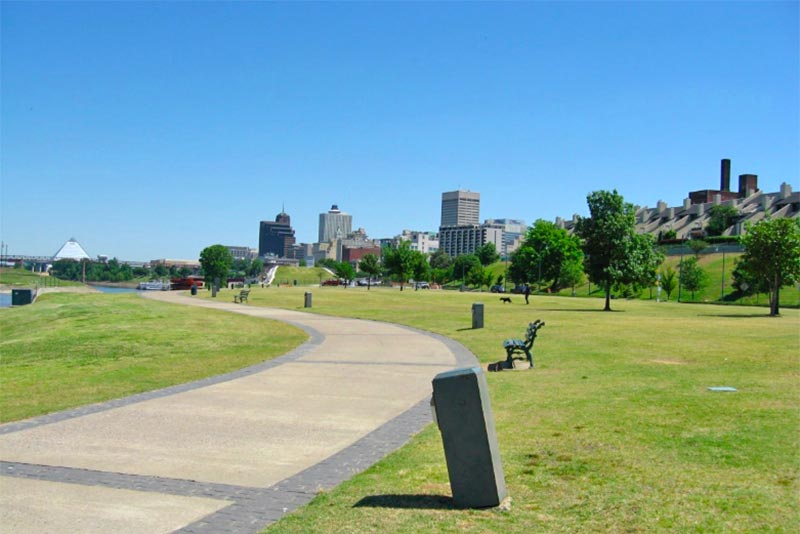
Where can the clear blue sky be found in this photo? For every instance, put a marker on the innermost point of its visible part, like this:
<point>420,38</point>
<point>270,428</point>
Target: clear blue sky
<point>151,130</point>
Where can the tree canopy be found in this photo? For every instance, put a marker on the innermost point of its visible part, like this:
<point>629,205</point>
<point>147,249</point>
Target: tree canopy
<point>216,261</point>
<point>614,253</point>
<point>772,256</point>
<point>370,265</point>
<point>692,276</point>
<point>547,254</point>
<point>401,261</point>
<point>487,254</point>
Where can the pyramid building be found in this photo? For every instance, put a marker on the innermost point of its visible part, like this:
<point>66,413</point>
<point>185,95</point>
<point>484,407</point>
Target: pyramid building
<point>71,250</point>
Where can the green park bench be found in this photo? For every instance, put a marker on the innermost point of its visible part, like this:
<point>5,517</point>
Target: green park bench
<point>522,346</point>
<point>242,296</point>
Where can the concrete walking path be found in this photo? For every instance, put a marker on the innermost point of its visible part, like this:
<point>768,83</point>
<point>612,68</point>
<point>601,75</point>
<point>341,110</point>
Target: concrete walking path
<point>232,453</point>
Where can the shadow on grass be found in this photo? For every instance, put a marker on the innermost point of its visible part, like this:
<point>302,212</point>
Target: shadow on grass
<point>420,502</point>
<point>581,310</point>
<point>732,316</point>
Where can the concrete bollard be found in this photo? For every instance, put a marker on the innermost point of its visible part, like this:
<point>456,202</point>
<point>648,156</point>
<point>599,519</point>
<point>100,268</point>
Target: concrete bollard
<point>477,315</point>
<point>463,413</point>
<point>308,300</point>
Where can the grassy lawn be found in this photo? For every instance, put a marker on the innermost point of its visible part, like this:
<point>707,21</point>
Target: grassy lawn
<point>68,350</point>
<point>614,431</point>
<point>23,278</point>
<point>304,276</point>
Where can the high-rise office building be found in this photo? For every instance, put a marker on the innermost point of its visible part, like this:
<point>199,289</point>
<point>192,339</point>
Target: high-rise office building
<point>460,208</point>
<point>335,224</point>
<point>460,240</point>
<point>460,232</point>
<point>276,237</point>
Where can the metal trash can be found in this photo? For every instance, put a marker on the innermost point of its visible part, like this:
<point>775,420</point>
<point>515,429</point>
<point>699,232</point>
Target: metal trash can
<point>477,315</point>
<point>463,413</point>
<point>194,289</point>
<point>308,300</point>
<point>21,297</point>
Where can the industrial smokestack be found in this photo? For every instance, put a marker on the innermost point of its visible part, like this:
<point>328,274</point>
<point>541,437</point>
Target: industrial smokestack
<point>725,175</point>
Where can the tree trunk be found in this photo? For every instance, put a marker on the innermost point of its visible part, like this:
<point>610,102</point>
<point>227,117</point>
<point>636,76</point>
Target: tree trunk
<point>774,295</point>
<point>608,297</point>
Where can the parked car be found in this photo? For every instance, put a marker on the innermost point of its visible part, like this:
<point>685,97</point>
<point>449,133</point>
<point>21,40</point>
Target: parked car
<point>518,289</point>
<point>497,289</point>
<point>423,285</point>
<point>331,282</point>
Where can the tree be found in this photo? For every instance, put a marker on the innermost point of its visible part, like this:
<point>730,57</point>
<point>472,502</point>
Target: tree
<point>547,253</point>
<point>216,261</point>
<point>399,261</point>
<point>668,281</point>
<point>256,268</point>
<point>440,259</point>
<point>772,256</point>
<point>720,218</point>
<point>697,246</point>
<point>614,253</point>
<point>571,275</point>
<point>693,277</point>
<point>487,254</point>
<point>465,267</point>
<point>344,270</point>
<point>369,265</point>
<point>420,269</point>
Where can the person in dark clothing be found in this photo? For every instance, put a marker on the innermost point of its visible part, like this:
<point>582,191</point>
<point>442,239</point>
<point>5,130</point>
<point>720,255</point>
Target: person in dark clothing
<point>527,292</point>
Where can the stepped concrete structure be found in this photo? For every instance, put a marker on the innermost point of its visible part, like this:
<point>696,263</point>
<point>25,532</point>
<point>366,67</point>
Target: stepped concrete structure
<point>690,219</point>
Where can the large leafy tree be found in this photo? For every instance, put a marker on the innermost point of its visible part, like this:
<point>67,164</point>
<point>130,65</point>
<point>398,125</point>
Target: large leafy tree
<point>614,253</point>
<point>370,265</point>
<point>487,254</point>
<point>216,261</point>
<point>345,271</point>
<point>772,256</point>
<point>440,259</point>
<point>468,268</point>
<point>548,253</point>
<point>400,261</point>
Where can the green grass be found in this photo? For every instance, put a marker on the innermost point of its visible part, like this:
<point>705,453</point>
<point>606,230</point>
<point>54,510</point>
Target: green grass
<point>23,278</point>
<point>614,431</point>
<point>305,276</point>
<point>68,350</point>
<point>712,264</point>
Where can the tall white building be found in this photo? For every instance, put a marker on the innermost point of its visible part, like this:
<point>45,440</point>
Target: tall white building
<point>460,208</point>
<point>425,242</point>
<point>513,232</point>
<point>335,224</point>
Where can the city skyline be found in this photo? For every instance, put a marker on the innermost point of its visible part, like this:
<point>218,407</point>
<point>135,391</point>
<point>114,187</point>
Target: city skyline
<point>151,130</point>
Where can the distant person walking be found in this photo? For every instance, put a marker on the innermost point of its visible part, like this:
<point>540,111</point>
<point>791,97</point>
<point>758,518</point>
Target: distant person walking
<point>527,293</point>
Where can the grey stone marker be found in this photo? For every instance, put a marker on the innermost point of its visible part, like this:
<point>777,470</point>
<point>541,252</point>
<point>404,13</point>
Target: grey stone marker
<point>462,411</point>
<point>308,300</point>
<point>477,315</point>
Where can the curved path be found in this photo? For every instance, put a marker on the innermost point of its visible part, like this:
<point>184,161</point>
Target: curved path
<point>232,453</point>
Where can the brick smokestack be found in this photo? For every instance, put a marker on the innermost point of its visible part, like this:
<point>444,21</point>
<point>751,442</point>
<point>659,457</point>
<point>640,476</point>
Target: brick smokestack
<point>725,175</point>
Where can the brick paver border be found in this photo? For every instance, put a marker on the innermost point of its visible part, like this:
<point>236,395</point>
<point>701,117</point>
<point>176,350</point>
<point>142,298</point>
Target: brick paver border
<point>251,509</point>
